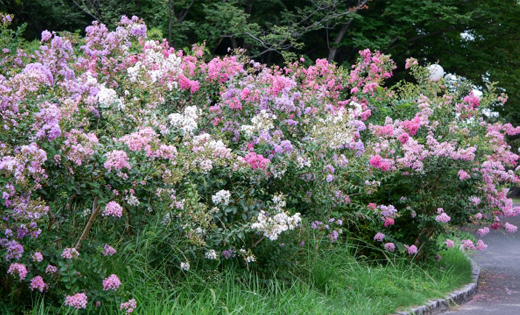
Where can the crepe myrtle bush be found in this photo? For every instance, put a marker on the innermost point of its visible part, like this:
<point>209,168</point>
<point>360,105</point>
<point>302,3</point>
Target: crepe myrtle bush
<point>113,132</point>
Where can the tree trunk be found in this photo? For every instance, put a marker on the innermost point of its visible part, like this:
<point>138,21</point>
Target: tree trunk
<point>171,14</point>
<point>337,41</point>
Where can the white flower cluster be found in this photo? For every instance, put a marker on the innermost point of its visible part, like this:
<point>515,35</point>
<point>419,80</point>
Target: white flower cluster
<point>209,152</point>
<point>262,121</point>
<point>273,226</point>
<point>248,256</point>
<point>217,147</point>
<point>334,131</point>
<point>106,96</point>
<point>279,203</point>
<point>206,165</point>
<point>185,266</point>
<point>132,200</point>
<point>354,111</point>
<point>278,173</point>
<point>186,121</point>
<point>167,219</point>
<point>164,66</point>
<point>211,254</point>
<point>221,197</point>
<point>301,162</point>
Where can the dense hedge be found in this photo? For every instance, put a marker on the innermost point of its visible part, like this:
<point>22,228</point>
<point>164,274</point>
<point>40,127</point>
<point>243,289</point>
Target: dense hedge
<point>240,162</point>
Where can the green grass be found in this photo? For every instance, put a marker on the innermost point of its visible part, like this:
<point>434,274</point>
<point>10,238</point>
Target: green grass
<point>328,281</point>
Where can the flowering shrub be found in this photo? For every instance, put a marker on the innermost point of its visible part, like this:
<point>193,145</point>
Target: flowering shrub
<point>237,159</point>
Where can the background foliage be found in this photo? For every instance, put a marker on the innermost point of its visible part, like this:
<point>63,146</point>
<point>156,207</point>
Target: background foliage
<point>475,39</point>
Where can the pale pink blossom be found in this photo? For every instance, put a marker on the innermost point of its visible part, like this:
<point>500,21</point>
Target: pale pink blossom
<point>468,244</point>
<point>481,245</point>
<point>390,247</point>
<point>111,283</point>
<point>128,306</point>
<point>412,250</point>
<point>443,217</point>
<point>483,231</point>
<point>108,250</point>
<point>410,62</point>
<point>113,209</point>
<point>38,257</point>
<point>463,175</point>
<point>78,300</point>
<point>117,160</point>
<point>51,269</point>
<point>70,253</point>
<point>379,237</point>
<point>510,227</point>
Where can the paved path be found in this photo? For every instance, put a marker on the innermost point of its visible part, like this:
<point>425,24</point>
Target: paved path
<point>499,288</point>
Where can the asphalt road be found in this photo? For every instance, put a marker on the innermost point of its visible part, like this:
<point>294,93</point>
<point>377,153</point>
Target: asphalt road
<point>499,286</point>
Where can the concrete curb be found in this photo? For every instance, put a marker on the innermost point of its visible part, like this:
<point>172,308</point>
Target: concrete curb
<point>456,297</point>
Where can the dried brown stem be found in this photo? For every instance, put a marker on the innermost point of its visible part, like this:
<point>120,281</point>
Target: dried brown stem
<point>258,242</point>
<point>95,211</point>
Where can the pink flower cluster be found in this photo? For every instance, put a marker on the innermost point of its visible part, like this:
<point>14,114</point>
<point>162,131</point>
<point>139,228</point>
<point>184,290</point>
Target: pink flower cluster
<point>367,75</point>
<point>472,100</point>
<point>442,217</point>
<point>480,245</point>
<point>108,250</point>
<point>187,84</point>
<point>38,257</point>
<point>113,209</point>
<point>129,306</point>
<point>17,269</point>
<point>51,269</point>
<point>483,231</point>
<point>403,138</point>
<point>412,250</point>
<point>379,237</point>
<point>256,160</point>
<point>510,227</point>
<point>78,300</point>
<point>463,175</point>
<point>70,253</point>
<point>468,244</point>
<point>37,284</point>
<point>410,62</point>
<point>117,160</point>
<point>111,283</point>
<point>79,146</point>
<point>378,162</point>
<point>390,247</point>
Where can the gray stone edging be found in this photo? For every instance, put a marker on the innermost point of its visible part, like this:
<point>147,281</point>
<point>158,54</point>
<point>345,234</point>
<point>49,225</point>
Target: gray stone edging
<point>456,297</point>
